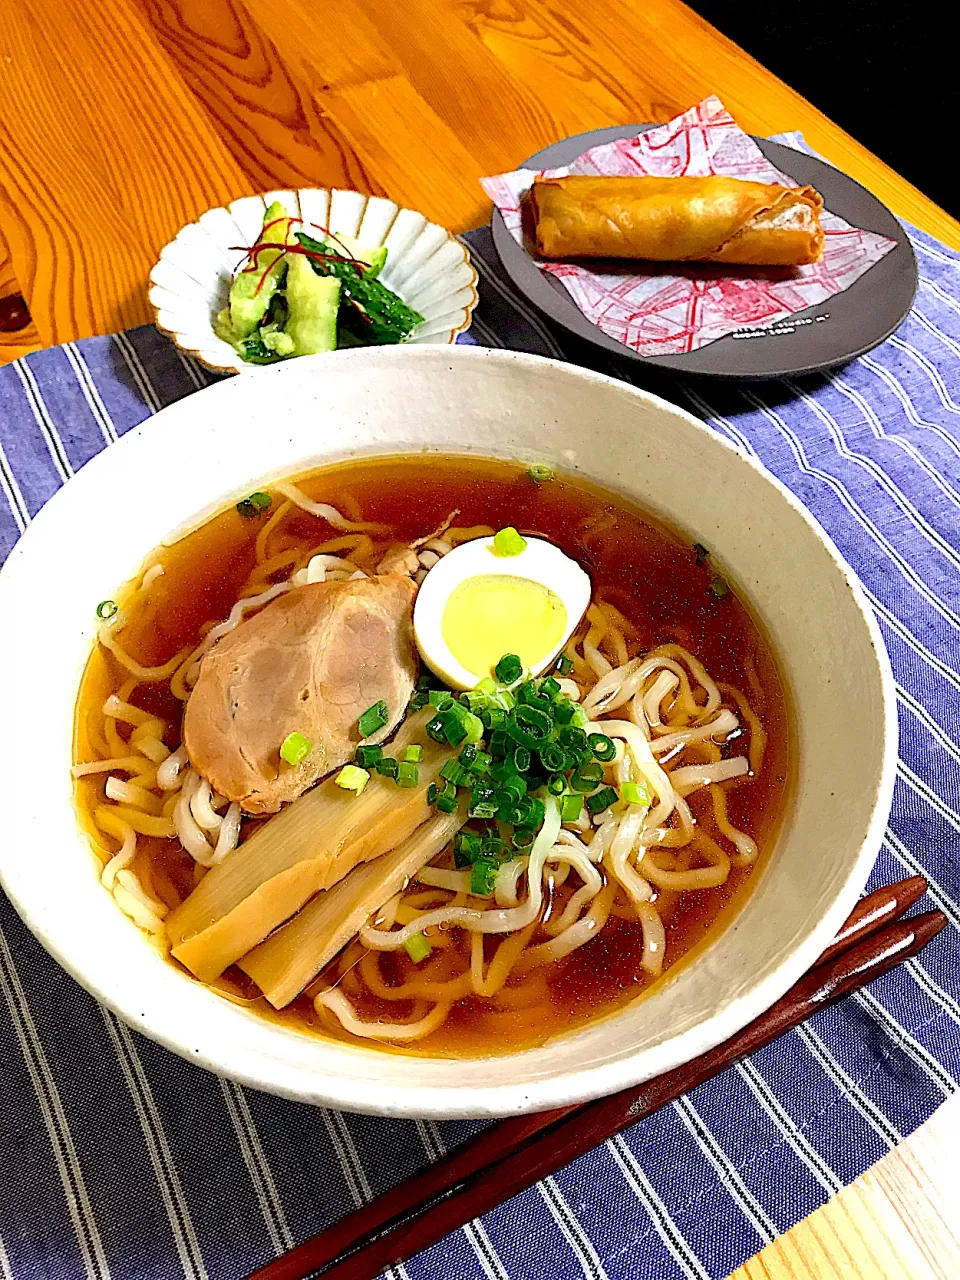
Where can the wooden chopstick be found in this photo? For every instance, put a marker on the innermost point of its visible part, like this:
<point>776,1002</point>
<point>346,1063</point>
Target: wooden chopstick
<point>515,1153</point>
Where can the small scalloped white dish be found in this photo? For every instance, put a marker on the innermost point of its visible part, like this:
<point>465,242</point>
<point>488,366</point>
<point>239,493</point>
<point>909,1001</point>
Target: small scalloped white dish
<point>426,266</point>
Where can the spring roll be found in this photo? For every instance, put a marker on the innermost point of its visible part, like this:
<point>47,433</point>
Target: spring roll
<point>711,219</point>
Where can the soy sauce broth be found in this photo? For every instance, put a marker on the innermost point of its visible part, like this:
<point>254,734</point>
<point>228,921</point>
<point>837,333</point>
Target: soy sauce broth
<point>650,573</point>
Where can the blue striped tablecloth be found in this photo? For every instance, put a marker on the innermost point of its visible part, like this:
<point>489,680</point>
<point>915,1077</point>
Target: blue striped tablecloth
<point>119,1159</point>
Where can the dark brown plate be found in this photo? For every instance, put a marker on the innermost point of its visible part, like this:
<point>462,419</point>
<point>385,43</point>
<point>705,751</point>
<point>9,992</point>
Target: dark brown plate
<point>828,334</point>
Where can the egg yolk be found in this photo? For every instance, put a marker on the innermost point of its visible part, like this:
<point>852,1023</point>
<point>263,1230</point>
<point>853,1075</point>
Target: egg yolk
<point>493,614</point>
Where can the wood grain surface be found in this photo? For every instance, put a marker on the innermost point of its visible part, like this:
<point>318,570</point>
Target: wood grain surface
<point>122,120</point>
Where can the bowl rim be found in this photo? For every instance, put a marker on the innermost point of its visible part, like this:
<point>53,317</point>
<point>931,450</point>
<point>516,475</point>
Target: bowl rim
<point>567,1086</point>
<point>239,366</point>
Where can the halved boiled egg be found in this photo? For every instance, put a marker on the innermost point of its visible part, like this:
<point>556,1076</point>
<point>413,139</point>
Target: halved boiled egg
<point>492,596</point>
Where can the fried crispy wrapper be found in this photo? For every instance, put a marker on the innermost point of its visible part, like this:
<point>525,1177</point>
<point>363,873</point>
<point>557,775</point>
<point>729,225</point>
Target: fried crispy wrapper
<point>710,219</point>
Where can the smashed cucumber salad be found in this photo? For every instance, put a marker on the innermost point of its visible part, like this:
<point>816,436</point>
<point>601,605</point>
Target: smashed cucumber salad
<point>298,294</point>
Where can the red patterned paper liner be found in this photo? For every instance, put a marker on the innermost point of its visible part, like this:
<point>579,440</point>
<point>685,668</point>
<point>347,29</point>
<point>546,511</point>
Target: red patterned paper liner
<point>661,312</point>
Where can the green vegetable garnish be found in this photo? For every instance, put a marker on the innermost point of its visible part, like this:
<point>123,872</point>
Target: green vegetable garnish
<point>107,609</point>
<point>508,542</point>
<point>570,808</point>
<point>719,587</point>
<point>564,664</point>
<point>601,800</point>
<point>388,767</point>
<point>352,778</point>
<point>602,747</point>
<point>483,876</point>
<point>634,793</point>
<point>408,775</point>
<point>540,473</point>
<point>295,748</point>
<point>254,504</point>
<point>417,947</point>
<point>370,313</point>
<point>373,718</point>
<point>368,757</point>
<point>412,754</point>
<point>508,669</point>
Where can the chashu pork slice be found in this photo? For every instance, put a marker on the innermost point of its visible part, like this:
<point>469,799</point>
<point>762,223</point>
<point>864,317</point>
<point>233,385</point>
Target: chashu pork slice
<point>310,662</point>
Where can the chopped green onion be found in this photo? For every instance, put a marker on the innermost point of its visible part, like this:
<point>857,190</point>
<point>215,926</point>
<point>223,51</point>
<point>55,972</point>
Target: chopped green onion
<point>453,771</point>
<point>553,757</point>
<point>440,698</point>
<point>435,729</point>
<point>634,793</point>
<point>425,682</point>
<point>601,800</point>
<point>570,808</point>
<point>564,710</point>
<point>529,726</point>
<point>480,762</point>
<point>352,778</point>
<point>466,848</point>
<point>454,730</point>
<point>254,504</point>
<point>508,542</point>
<point>107,609</point>
<point>295,748</point>
<point>374,718</point>
<point>483,801</point>
<point>509,812</point>
<point>387,767</point>
<point>432,792</point>
<point>572,738</point>
<point>549,688</point>
<point>534,811</point>
<point>447,799</point>
<point>493,847</point>
<point>564,664</point>
<point>483,876</point>
<point>522,838</point>
<point>408,775</point>
<point>417,947</point>
<point>540,473</point>
<point>512,785</point>
<point>719,587</point>
<point>522,758</point>
<point>367,757</point>
<point>700,552</point>
<point>473,726</point>
<point>499,744</point>
<point>508,669</point>
<point>412,754</point>
<point>602,747</point>
<point>557,784</point>
<point>418,701</point>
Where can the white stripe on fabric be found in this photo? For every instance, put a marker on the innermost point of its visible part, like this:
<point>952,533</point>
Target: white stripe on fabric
<point>90,392</point>
<point>254,1157</point>
<point>908,447</point>
<point>937,334</point>
<point>893,491</point>
<point>54,1119</point>
<point>932,287</point>
<point>666,1229</point>
<point>931,252</point>
<point>569,1224</point>
<point>920,649</point>
<point>848,1087</point>
<point>908,1044</point>
<point>791,1131</point>
<point>933,988</point>
<point>886,375</point>
<point>190,369</point>
<point>907,571</point>
<point>43,420</point>
<point>920,788</point>
<point>741,1194</point>
<point>938,384</point>
<point>475,1231</point>
<point>155,1140</point>
<point>907,860</point>
<point>936,731</point>
<point>137,371</point>
<point>6,1271</point>
<point>11,491</point>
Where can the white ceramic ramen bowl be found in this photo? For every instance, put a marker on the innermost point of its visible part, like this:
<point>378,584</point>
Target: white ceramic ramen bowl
<point>428,267</point>
<point>213,448</point>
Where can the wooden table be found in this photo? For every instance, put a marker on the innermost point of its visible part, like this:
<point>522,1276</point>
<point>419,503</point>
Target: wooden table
<point>415,99</point>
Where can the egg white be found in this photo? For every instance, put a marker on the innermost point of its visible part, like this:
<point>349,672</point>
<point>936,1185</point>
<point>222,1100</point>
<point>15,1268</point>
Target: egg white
<point>540,562</point>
